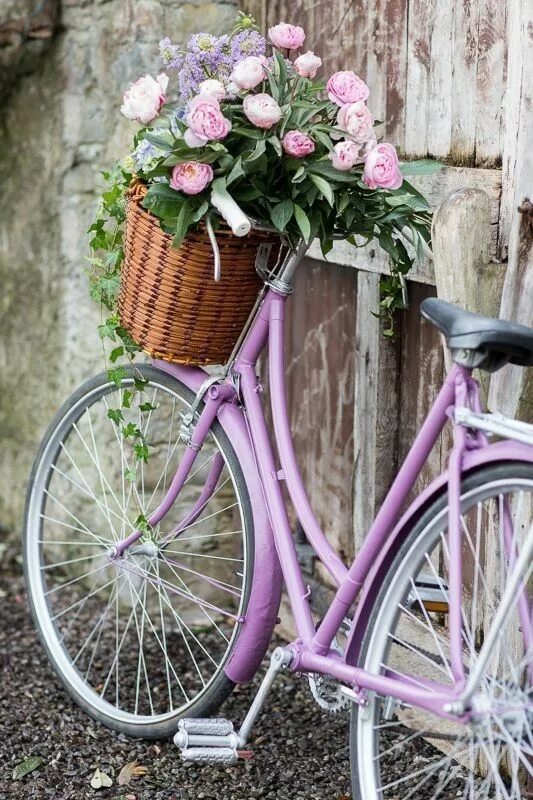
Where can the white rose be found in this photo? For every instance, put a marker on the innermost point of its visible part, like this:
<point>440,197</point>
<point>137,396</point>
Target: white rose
<point>143,100</point>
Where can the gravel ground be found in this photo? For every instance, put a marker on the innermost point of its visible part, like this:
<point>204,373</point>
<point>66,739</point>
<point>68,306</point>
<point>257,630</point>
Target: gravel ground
<point>38,719</point>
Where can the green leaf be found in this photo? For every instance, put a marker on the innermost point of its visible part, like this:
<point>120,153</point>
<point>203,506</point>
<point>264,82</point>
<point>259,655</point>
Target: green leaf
<point>247,133</point>
<point>131,431</point>
<point>424,166</point>
<point>257,152</point>
<point>276,144</point>
<point>141,451</point>
<point>130,474</point>
<point>115,414</point>
<point>140,383</point>
<point>164,142</point>
<point>281,214</point>
<point>303,222</point>
<point>184,222</point>
<point>116,375</point>
<point>126,398</point>
<point>116,353</point>
<point>147,407</point>
<point>236,172</point>
<point>323,187</point>
<point>25,767</point>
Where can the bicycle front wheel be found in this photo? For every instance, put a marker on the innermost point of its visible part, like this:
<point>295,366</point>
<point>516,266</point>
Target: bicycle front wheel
<point>142,640</point>
<point>400,752</point>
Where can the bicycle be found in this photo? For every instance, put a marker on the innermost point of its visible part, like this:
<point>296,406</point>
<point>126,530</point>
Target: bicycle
<point>429,637</point>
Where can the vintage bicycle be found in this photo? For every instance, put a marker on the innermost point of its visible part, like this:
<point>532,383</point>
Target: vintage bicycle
<point>429,637</point>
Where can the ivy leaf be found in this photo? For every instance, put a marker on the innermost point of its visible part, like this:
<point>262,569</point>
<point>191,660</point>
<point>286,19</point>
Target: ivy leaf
<point>302,221</point>
<point>131,431</point>
<point>147,407</point>
<point>140,383</point>
<point>116,353</point>
<point>116,375</point>
<point>130,474</point>
<point>29,764</point>
<point>126,398</point>
<point>281,214</point>
<point>141,451</point>
<point>323,187</point>
<point>115,414</point>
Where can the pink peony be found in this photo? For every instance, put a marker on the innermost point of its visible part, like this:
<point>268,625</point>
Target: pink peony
<point>356,120</point>
<point>143,100</point>
<point>288,36</point>
<point>262,110</point>
<point>206,121</point>
<point>213,88</point>
<point>382,169</point>
<point>298,144</point>
<point>307,64</point>
<point>191,177</point>
<point>248,73</point>
<point>346,87</point>
<point>345,155</point>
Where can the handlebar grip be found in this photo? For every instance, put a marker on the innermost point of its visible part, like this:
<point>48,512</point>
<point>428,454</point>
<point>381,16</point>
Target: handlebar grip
<point>231,212</point>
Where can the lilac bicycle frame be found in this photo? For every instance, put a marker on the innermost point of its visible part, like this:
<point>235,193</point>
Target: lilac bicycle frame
<point>312,650</point>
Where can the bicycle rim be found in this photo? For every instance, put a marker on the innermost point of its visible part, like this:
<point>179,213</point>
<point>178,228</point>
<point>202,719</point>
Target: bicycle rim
<point>402,752</point>
<point>142,640</point>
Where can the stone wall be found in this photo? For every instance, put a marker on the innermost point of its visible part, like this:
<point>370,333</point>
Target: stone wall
<point>59,127</point>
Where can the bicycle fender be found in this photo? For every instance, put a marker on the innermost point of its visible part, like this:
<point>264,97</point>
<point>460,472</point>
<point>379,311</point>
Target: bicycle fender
<point>499,452</point>
<point>265,594</point>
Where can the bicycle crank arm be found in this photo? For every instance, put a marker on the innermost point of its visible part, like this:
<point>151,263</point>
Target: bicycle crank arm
<point>214,741</point>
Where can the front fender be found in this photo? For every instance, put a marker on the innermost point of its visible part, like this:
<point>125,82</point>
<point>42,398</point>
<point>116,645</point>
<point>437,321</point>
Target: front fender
<point>265,595</point>
<point>494,453</point>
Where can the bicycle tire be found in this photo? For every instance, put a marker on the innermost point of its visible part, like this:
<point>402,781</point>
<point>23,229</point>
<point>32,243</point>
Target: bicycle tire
<point>219,685</point>
<point>370,787</point>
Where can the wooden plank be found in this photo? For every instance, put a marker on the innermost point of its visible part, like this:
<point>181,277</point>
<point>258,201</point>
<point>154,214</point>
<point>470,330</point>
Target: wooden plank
<point>518,111</point>
<point>375,408</point>
<point>436,188</point>
<point>511,390</point>
<point>421,21</point>
<point>320,387</point>
<point>491,80</point>
<point>440,98</point>
<point>466,28</point>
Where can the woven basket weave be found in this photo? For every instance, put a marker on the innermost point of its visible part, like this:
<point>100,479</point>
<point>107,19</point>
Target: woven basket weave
<point>169,301</point>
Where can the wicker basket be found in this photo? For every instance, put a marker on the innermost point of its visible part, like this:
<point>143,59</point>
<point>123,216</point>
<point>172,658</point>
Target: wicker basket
<point>169,301</point>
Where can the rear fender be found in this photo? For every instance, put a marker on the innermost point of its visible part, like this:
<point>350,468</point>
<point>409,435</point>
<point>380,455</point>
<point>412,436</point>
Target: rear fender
<point>500,452</point>
<point>265,595</point>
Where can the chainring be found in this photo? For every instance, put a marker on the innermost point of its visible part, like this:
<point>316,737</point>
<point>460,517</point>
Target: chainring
<point>327,690</point>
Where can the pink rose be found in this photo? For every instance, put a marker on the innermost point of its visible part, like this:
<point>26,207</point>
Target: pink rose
<point>248,73</point>
<point>345,155</point>
<point>356,120</point>
<point>346,87</point>
<point>382,169</point>
<point>298,144</point>
<point>213,88</point>
<point>206,121</point>
<point>307,64</point>
<point>191,177</point>
<point>262,110</point>
<point>143,100</point>
<point>289,36</point>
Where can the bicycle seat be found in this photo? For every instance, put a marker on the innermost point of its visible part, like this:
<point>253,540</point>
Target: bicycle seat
<point>478,341</point>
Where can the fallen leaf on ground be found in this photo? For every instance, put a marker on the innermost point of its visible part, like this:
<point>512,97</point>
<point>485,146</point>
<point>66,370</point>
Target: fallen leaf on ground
<point>129,771</point>
<point>157,749</point>
<point>25,767</point>
<point>100,780</point>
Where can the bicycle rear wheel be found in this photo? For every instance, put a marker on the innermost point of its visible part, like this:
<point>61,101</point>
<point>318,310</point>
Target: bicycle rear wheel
<point>402,752</point>
<point>142,640</point>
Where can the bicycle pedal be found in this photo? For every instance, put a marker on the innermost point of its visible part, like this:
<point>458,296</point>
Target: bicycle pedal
<point>210,755</point>
<point>207,741</point>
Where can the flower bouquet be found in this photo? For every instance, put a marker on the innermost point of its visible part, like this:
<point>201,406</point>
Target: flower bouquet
<point>250,133</point>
